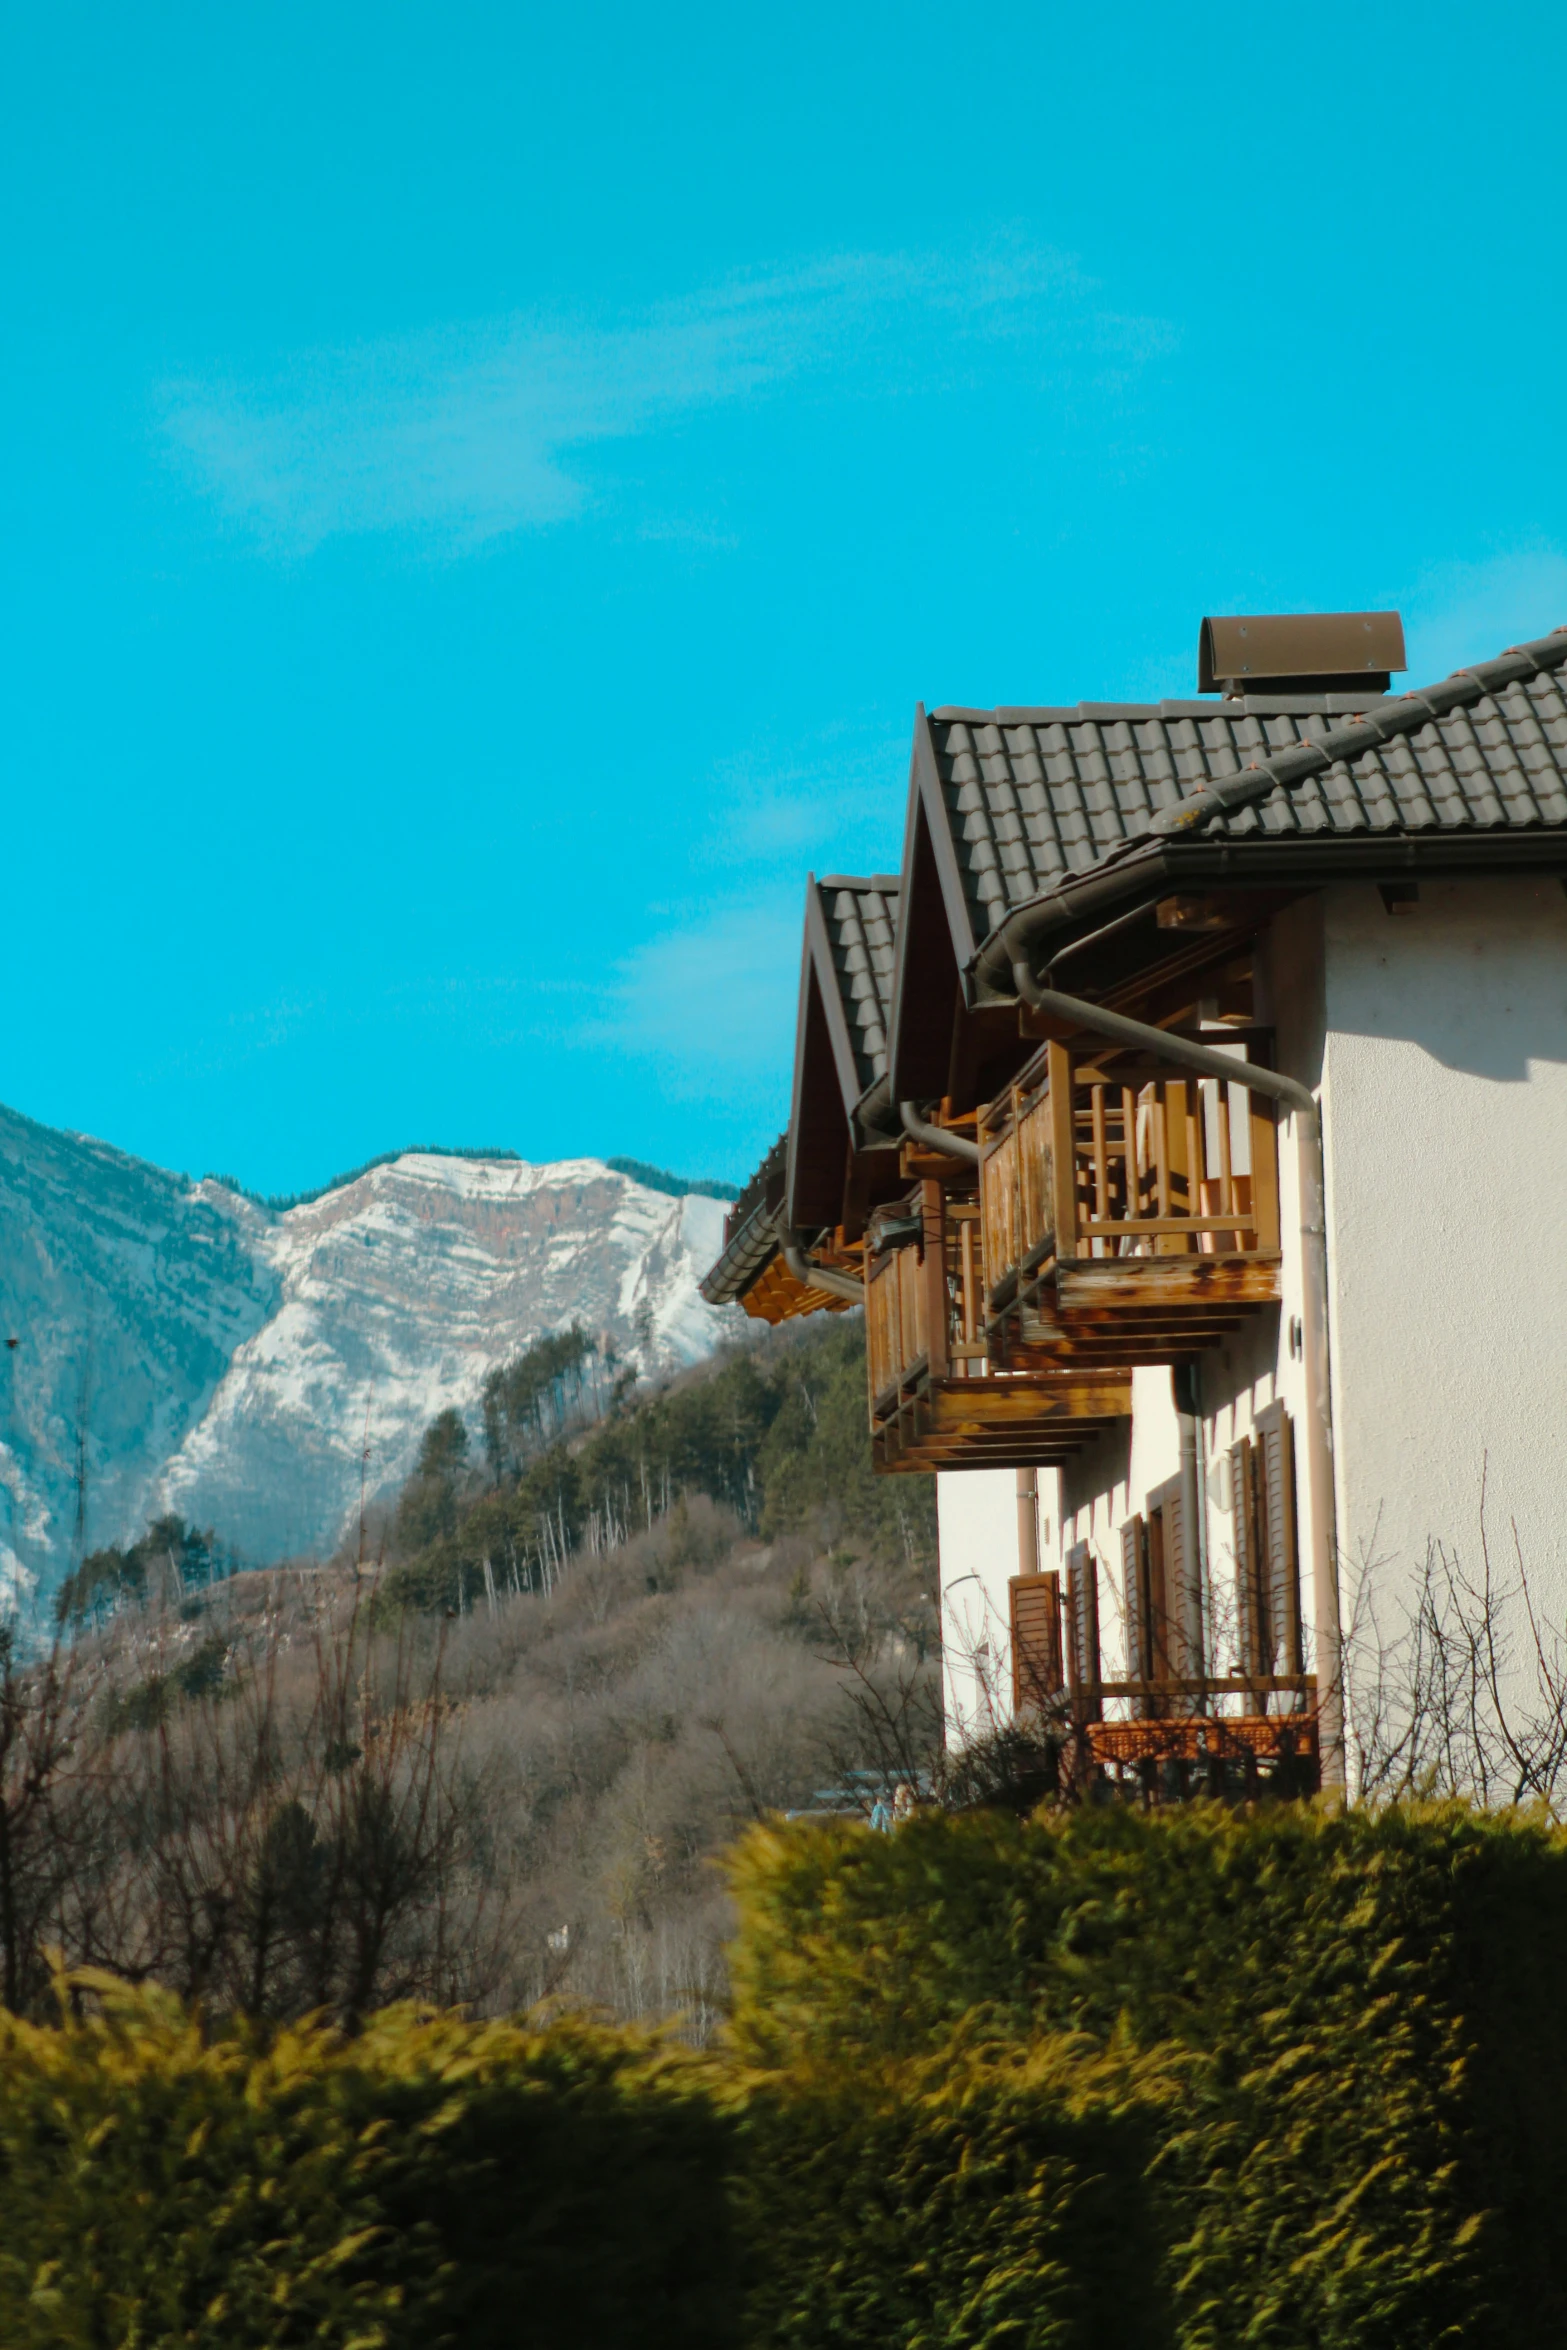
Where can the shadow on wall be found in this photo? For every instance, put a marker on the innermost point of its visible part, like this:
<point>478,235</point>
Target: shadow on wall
<point>1472,972</point>
<point>1099,1468</point>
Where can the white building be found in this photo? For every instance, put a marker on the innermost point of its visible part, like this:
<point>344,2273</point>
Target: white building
<point>1363,892</point>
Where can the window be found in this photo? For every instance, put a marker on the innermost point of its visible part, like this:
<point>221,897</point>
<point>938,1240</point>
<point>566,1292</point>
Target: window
<point>1161,1587</point>
<point>1267,1566</point>
<point>1142,1596</point>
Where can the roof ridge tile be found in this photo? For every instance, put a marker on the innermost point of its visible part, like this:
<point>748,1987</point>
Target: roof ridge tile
<point>1402,715</point>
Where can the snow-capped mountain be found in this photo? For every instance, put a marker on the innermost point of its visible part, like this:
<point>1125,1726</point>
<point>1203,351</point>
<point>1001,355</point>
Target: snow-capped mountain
<point>170,1345</point>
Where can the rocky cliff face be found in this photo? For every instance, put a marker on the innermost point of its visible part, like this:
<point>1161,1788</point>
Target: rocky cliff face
<point>173,1345</point>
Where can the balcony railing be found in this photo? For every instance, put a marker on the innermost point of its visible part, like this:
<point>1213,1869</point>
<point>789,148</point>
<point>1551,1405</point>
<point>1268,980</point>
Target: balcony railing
<point>1167,1722</point>
<point>936,1395</point>
<point>1127,1214</point>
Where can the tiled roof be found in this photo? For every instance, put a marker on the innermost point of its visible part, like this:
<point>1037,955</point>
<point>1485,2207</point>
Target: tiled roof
<point>765,1186</point>
<point>861,916</point>
<point>750,1231</point>
<point>747,1252</point>
<point>1034,797</point>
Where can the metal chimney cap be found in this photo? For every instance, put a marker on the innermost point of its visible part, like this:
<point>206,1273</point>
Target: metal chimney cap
<point>1300,651</point>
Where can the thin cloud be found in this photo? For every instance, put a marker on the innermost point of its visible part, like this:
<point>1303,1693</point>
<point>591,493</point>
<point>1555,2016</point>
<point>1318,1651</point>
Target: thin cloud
<point>711,998</point>
<point>837,800</point>
<point>1471,611</point>
<point>469,433</point>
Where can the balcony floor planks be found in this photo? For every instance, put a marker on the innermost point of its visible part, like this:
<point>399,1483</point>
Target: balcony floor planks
<point>985,1423</point>
<point>1003,1401</point>
<point>1044,1446</point>
<point>1089,1356</point>
<point>1039,1329</point>
<point>1103,1339</point>
<point>1118,1285</point>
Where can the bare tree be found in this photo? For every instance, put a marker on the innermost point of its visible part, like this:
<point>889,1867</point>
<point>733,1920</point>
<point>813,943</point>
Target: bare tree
<point>275,1818</point>
<point>1459,1686</point>
<point>45,1804</point>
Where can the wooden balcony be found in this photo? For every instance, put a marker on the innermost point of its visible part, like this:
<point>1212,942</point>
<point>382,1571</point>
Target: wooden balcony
<point>1128,1215</point>
<point>1173,1731</point>
<point>1209,1753</point>
<point>937,1399</point>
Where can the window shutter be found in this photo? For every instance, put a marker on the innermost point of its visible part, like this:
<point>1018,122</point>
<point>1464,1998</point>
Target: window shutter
<point>1158,1635</point>
<point>1170,1598</point>
<point>1280,1578</point>
<point>1134,1593</point>
<point>1256,1642</point>
<point>1036,1639</point>
<point>1182,1592</point>
<point>1082,1596</point>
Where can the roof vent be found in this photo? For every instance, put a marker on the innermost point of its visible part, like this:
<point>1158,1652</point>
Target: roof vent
<point>1300,653</point>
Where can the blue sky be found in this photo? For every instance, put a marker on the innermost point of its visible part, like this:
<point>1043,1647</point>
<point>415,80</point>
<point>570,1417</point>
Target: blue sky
<point>487,486</point>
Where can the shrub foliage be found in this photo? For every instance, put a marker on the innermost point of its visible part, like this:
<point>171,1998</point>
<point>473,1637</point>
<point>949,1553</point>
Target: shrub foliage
<point>1369,2140</point>
<point>1196,2081</point>
<point>991,2196</point>
<point>431,2182</point>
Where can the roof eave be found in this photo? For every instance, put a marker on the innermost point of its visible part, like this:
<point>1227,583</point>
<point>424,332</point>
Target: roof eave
<point>744,1260</point>
<point>818,948</point>
<point>1299,861</point>
<point>927,818</point>
<point>926,779</point>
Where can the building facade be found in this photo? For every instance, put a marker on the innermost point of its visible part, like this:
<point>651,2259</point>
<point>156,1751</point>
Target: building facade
<point>1211,1367</point>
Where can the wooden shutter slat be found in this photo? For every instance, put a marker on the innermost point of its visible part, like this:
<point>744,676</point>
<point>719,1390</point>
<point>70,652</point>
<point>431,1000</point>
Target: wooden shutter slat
<point>1183,1644</point>
<point>1036,1639</point>
<point>1082,1594</point>
<point>1134,1597</point>
<point>1158,1589</point>
<point>1250,1596</point>
<point>1276,1517</point>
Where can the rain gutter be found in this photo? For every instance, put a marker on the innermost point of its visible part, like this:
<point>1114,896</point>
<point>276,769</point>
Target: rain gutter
<point>937,1138</point>
<point>815,1276</point>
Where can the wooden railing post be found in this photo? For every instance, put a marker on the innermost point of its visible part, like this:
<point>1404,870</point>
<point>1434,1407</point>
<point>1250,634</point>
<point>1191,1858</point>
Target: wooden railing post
<point>970,1301</point>
<point>1178,1182</point>
<point>934,1277</point>
<point>1264,1172</point>
<point>1063,1148</point>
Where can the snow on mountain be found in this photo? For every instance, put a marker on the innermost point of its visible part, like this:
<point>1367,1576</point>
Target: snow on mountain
<point>398,1293</point>
<point>173,1345</point>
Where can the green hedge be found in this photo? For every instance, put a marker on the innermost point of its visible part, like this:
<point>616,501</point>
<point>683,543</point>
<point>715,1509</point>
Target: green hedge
<point>433,2182</point>
<point>1369,2146</point>
<point>989,2199</point>
<point>1289,2081</point>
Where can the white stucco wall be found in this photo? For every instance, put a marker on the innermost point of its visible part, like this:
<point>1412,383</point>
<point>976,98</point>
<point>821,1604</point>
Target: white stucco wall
<point>1102,1486</point>
<point>976,1525</point>
<point>1446,1116</point>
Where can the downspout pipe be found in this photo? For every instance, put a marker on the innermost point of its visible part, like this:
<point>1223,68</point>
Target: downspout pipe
<point>937,1138</point>
<point>814,1276</point>
<point>1075,1012</point>
<point>1028,1521</point>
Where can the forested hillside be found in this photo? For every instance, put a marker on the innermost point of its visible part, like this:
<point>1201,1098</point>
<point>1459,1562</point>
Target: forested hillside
<point>491,1751</point>
<point>570,1458</point>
